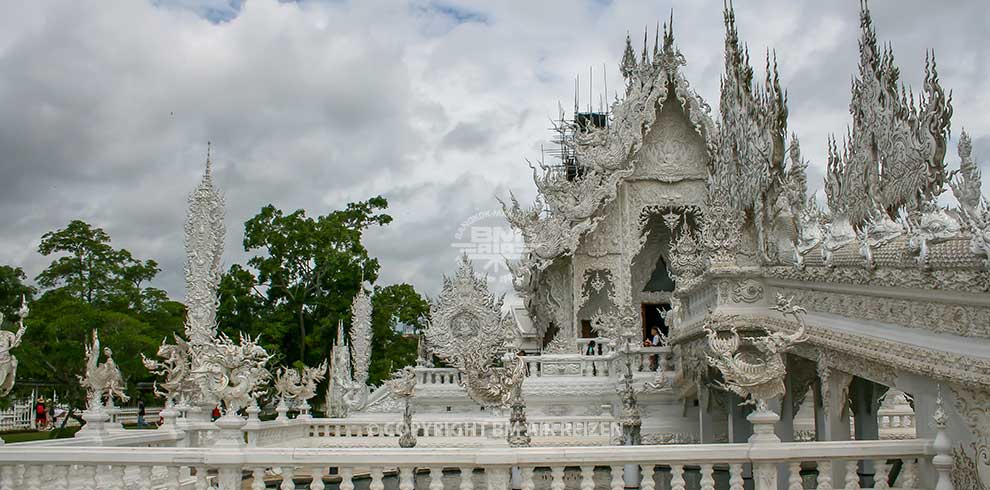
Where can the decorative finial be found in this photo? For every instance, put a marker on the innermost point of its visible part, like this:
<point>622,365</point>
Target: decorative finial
<point>209,164</point>
<point>939,416</point>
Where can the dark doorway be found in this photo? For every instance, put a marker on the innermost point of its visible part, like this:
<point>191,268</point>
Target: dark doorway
<point>652,318</point>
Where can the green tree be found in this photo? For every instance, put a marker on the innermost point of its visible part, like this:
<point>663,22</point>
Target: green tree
<point>12,288</point>
<point>92,286</point>
<point>391,307</point>
<point>95,272</point>
<point>310,268</point>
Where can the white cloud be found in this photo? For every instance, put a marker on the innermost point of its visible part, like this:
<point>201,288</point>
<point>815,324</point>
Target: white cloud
<point>436,105</point>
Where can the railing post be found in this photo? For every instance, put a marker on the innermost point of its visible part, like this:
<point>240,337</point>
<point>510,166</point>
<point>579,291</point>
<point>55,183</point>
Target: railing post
<point>943,448</point>
<point>764,421</point>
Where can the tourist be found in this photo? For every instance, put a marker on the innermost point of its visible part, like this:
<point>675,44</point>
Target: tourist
<point>140,418</point>
<point>40,414</point>
<point>654,341</point>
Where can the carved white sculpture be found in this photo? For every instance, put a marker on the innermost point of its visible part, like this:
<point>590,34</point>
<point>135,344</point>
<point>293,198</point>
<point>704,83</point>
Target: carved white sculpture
<point>468,330</point>
<point>174,367</point>
<point>9,341</point>
<point>204,237</point>
<point>293,384</point>
<point>402,384</point>
<point>361,336</point>
<point>102,382</point>
<point>757,375</point>
<point>231,372</point>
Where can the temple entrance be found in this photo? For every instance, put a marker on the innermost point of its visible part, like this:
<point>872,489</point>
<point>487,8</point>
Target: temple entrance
<point>651,315</point>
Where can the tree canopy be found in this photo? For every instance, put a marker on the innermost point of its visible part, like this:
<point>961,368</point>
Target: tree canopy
<point>291,293</point>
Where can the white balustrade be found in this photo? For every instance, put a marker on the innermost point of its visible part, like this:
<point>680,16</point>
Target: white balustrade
<point>688,465</point>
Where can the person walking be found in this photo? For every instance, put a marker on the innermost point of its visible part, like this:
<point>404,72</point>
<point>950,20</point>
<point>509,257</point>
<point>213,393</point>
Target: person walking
<point>140,420</point>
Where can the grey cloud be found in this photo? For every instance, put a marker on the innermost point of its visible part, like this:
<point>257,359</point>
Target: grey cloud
<point>106,111</point>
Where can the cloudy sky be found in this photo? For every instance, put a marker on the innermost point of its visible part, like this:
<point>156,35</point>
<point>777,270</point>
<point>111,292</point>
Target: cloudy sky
<point>434,104</point>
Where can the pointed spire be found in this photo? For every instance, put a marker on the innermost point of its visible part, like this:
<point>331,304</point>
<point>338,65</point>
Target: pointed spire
<point>628,65</point>
<point>668,33</point>
<point>656,43</point>
<point>209,150</point>
<point>646,59</point>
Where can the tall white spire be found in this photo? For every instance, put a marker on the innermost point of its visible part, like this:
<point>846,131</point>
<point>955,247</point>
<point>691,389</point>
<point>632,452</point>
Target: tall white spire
<point>204,238</point>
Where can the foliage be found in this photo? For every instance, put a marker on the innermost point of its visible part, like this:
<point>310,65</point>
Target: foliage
<point>391,306</point>
<point>309,268</point>
<point>12,287</point>
<point>95,272</point>
<point>89,286</point>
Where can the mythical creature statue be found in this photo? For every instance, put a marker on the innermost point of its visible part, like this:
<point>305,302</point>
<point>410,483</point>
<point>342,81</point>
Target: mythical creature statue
<point>101,381</point>
<point>293,384</point>
<point>175,369</point>
<point>753,367</point>
<point>402,384</point>
<point>8,341</point>
<point>230,371</point>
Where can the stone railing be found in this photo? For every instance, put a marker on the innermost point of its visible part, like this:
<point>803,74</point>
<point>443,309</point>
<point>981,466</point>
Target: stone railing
<point>474,431</point>
<point>799,465</point>
<point>437,376</point>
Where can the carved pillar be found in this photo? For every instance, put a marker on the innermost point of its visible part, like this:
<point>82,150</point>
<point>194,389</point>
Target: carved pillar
<point>706,424</point>
<point>739,428</point>
<point>831,416</point>
<point>865,400</point>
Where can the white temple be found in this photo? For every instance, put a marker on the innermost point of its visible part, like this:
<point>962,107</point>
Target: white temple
<point>802,346</point>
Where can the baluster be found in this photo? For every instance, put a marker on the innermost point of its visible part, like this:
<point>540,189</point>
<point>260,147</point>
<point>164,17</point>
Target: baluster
<point>287,479</point>
<point>114,478</point>
<point>735,476</point>
<point>909,475</point>
<point>201,483</point>
<point>144,478</point>
<point>258,479</point>
<point>87,474</point>
<point>881,470</point>
<point>707,481</point>
<point>436,478</point>
<point>316,473</point>
<point>172,481</point>
<point>557,478</point>
<point>618,482</point>
<point>794,480</point>
<point>852,477</point>
<point>346,478</point>
<point>676,477</point>
<point>646,473</point>
<point>526,472</point>
<point>62,477</point>
<point>32,477</point>
<point>406,478</point>
<point>467,477</point>
<point>376,479</point>
<point>824,475</point>
<point>587,478</point>
<point>7,478</point>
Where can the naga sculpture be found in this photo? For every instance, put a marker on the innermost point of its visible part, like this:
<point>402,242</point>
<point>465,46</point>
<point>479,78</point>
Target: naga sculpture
<point>174,367</point>
<point>752,367</point>
<point>101,381</point>
<point>231,372</point>
<point>9,341</point>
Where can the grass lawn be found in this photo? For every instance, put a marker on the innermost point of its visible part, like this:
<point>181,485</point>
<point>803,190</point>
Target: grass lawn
<point>34,435</point>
